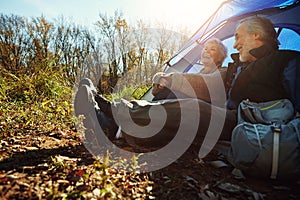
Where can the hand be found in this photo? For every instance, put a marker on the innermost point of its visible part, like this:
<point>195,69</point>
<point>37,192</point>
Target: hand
<point>160,81</point>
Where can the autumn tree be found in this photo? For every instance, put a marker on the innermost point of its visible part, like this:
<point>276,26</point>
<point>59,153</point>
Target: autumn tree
<point>14,42</point>
<point>142,37</point>
<point>113,52</point>
<point>108,30</point>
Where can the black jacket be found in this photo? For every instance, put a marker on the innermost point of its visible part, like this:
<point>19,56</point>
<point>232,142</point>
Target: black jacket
<point>261,80</point>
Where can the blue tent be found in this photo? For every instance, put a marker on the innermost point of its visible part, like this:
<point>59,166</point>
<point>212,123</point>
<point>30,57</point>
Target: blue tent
<point>285,15</point>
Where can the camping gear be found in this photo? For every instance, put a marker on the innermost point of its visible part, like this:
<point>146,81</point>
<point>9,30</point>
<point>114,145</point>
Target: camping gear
<point>266,140</point>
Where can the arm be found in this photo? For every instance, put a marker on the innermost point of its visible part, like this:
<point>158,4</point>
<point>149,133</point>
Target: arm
<point>193,85</point>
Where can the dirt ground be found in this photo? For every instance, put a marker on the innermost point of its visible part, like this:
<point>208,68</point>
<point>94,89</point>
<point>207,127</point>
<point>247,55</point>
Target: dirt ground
<point>37,165</point>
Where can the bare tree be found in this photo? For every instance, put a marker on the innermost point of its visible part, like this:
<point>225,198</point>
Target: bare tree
<point>72,46</point>
<point>108,30</point>
<point>143,42</point>
<point>40,32</point>
<point>114,49</point>
<point>13,42</point>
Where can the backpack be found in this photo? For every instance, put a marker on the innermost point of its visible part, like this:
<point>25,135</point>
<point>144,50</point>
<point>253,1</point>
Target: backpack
<point>266,140</point>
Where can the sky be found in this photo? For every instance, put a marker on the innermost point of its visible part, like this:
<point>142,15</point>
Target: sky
<point>186,13</point>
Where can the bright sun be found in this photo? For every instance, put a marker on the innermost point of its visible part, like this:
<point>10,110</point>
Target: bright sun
<point>189,13</point>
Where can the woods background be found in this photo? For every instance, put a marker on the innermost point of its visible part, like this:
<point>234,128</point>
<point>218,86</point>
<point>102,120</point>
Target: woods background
<point>110,52</point>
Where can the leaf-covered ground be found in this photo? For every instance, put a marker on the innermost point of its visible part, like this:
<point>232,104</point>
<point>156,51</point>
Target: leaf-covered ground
<point>56,165</point>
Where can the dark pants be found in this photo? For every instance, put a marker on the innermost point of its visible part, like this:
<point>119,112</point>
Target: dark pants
<point>175,122</point>
<point>172,125</point>
<point>166,93</point>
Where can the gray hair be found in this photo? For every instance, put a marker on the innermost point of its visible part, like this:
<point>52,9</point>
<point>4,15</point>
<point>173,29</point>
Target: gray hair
<point>264,28</point>
<point>221,46</point>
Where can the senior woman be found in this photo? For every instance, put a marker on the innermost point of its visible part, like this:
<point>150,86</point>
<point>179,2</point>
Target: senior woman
<point>183,85</point>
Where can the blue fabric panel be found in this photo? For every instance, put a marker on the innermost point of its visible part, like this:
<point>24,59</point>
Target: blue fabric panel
<point>235,8</point>
<point>291,81</point>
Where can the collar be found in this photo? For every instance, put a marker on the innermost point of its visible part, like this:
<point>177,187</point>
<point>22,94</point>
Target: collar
<point>235,57</point>
<point>261,51</point>
<point>257,53</point>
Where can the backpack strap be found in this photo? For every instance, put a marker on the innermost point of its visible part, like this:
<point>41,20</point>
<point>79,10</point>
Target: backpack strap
<point>297,130</point>
<point>277,131</point>
<point>257,136</point>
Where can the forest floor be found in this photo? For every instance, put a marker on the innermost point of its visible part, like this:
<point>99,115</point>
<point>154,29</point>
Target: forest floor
<point>56,165</point>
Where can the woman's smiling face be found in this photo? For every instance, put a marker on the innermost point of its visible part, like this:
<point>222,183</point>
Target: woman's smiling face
<point>211,54</point>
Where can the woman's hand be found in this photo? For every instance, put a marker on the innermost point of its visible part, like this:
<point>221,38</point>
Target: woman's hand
<point>160,81</point>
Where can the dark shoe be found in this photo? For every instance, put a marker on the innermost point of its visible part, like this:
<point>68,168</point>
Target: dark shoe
<point>86,105</point>
<point>84,101</point>
<point>102,102</point>
<point>89,83</point>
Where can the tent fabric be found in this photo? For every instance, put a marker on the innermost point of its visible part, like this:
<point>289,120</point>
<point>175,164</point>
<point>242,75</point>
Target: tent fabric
<point>231,9</point>
<point>282,13</point>
<point>221,24</point>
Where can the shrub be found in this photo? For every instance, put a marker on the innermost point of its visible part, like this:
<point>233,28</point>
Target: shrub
<point>41,100</point>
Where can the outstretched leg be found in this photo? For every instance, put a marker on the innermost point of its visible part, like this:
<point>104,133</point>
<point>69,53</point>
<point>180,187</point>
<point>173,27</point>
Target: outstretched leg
<point>86,105</point>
